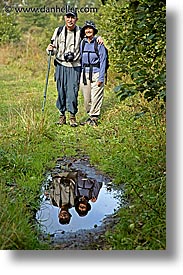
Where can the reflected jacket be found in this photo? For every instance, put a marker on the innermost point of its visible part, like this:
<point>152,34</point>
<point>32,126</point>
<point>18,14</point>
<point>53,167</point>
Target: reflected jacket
<point>88,188</point>
<point>62,191</point>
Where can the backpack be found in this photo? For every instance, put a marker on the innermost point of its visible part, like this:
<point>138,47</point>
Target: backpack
<point>97,52</point>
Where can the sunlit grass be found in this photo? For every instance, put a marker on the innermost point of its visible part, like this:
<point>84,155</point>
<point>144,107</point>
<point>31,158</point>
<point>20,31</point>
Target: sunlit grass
<point>129,148</point>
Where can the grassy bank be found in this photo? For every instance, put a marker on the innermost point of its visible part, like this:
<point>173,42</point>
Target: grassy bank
<point>128,145</point>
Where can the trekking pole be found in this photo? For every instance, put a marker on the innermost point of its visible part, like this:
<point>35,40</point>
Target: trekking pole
<point>47,76</point>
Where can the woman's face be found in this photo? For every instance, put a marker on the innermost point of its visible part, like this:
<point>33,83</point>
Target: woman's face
<point>89,32</point>
<point>82,207</point>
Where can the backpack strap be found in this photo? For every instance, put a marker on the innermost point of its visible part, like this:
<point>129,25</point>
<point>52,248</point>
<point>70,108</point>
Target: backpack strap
<point>90,190</point>
<point>83,45</point>
<point>96,47</point>
<point>60,29</point>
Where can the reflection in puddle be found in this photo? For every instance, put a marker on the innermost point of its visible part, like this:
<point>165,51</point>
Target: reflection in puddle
<point>103,200</point>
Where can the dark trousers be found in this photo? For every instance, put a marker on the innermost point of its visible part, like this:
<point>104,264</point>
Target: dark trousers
<point>67,81</point>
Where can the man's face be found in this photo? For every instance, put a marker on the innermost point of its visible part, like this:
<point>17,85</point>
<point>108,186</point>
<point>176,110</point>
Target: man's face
<point>70,21</point>
<point>64,215</point>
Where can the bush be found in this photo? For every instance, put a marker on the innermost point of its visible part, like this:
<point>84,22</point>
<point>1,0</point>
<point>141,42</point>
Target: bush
<point>137,43</point>
<point>9,30</point>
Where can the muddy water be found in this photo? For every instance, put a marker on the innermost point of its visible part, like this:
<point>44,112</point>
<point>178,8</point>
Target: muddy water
<point>109,200</point>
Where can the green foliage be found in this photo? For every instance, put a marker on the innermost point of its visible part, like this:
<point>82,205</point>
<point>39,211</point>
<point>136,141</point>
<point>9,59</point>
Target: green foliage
<point>9,29</point>
<point>136,36</point>
<point>16,230</point>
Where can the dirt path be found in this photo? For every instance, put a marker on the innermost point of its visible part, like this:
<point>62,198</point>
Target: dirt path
<point>93,239</point>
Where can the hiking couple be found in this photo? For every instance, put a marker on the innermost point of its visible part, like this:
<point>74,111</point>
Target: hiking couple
<point>78,64</point>
<point>71,189</point>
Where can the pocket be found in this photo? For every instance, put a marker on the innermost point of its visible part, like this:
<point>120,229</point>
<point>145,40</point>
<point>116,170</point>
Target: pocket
<point>95,77</point>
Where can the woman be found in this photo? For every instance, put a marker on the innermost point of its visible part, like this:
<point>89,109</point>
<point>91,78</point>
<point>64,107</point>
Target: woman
<point>93,62</point>
<point>86,190</point>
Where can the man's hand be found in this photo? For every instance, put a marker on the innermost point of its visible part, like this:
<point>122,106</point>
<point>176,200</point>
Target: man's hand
<point>50,47</point>
<point>100,40</point>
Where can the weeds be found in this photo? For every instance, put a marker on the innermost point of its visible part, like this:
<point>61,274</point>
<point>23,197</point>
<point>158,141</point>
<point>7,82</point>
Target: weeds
<point>128,147</point>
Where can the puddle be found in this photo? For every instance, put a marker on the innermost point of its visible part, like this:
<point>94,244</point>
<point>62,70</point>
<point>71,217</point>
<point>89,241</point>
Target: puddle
<point>109,199</point>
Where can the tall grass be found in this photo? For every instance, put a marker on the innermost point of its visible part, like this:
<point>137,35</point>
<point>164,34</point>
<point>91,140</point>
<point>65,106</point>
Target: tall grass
<point>128,145</point>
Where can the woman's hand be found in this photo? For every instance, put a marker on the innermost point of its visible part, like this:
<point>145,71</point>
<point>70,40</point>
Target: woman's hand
<point>99,83</point>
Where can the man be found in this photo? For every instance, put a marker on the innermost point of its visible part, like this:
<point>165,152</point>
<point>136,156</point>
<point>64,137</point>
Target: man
<point>66,48</point>
<point>62,194</point>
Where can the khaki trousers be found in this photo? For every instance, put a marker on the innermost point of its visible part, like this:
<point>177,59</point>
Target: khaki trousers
<point>93,95</point>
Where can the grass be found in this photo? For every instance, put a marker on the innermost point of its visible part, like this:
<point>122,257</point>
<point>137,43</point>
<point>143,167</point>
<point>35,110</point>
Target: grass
<point>130,148</point>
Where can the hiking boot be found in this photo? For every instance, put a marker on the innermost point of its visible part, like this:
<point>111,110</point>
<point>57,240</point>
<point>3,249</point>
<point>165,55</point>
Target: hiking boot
<point>73,122</point>
<point>62,120</point>
<point>93,122</point>
<point>88,121</point>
